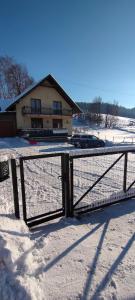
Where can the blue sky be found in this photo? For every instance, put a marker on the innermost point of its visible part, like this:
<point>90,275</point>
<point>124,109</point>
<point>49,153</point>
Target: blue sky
<point>87,45</point>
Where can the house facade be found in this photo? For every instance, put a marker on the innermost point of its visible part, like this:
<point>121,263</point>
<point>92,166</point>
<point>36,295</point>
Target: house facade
<point>44,105</point>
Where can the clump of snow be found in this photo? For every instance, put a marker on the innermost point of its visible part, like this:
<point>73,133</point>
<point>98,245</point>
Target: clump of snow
<point>14,244</point>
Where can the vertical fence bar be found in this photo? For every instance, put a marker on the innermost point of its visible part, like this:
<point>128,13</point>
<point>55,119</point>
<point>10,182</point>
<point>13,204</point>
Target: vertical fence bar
<point>63,182</point>
<point>15,188</point>
<point>125,173</point>
<point>71,178</point>
<point>23,190</point>
<point>66,175</point>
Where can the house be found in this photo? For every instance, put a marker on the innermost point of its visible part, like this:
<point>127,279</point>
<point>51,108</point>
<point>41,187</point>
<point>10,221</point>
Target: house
<point>45,105</point>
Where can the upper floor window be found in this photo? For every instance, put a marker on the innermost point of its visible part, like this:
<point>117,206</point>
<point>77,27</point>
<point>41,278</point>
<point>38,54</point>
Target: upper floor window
<point>57,107</point>
<point>36,106</point>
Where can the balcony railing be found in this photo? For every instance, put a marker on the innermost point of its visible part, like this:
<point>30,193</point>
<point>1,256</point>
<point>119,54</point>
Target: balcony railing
<point>45,111</point>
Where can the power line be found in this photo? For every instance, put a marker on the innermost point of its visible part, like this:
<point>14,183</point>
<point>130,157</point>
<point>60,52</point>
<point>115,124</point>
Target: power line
<point>97,88</point>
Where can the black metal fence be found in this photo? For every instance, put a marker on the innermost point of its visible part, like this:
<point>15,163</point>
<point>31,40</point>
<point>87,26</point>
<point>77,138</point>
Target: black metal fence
<point>68,184</point>
<point>102,178</point>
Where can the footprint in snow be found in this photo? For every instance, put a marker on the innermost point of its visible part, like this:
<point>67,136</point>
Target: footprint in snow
<point>113,284</point>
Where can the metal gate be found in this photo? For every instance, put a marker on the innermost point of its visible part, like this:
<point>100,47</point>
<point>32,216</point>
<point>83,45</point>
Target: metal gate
<point>58,184</point>
<point>100,178</point>
<point>42,188</point>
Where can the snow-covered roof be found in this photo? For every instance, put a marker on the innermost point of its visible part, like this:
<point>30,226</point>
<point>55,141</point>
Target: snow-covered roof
<point>51,79</point>
<point>4,103</point>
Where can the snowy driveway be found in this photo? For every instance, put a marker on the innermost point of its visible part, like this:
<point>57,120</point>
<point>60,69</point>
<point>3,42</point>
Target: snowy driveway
<point>87,258</point>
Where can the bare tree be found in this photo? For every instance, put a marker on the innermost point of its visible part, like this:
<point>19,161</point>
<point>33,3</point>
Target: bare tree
<point>96,110</point>
<point>111,118</point>
<point>14,78</point>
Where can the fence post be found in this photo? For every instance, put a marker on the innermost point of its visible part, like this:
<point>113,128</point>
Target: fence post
<point>125,172</point>
<point>15,188</point>
<point>67,185</point>
<point>23,189</point>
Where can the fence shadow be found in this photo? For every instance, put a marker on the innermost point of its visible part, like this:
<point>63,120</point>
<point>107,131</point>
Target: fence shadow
<point>104,217</point>
<point>10,215</point>
<point>65,252</point>
<point>111,212</point>
<point>95,217</point>
<point>112,269</point>
<point>100,218</point>
<point>45,229</point>
<point>95,261</point>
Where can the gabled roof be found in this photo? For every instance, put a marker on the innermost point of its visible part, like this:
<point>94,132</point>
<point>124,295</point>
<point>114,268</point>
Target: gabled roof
<point>5,103</point>
<point>55,85</point>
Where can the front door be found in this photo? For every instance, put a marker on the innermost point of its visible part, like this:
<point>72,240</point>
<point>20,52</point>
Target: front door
<point>57,123</point>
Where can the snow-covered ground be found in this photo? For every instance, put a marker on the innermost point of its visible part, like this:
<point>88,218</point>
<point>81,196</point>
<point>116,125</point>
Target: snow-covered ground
<point>124,133</point>
<point>120,136</point>
<point>91,257</point>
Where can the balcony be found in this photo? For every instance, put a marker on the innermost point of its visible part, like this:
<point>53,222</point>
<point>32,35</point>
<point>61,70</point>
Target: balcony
<point>28,110</point>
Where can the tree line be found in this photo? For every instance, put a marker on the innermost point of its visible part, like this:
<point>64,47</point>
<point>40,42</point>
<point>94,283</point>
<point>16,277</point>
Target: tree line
<point>94,111</point>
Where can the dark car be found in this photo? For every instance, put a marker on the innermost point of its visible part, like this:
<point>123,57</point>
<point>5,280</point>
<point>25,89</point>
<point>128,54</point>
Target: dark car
<point>86,141</point>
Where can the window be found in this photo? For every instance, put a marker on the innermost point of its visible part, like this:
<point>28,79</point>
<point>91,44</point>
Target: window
<point>76,136</point>
<point>36,123</point>
<point>36,106</point>
<point>57,123</point>
<point>84,136</point>
<point>94,137</point>
<point>57,107</point>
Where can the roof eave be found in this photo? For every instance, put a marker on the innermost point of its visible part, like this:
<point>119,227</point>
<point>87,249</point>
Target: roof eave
<point>50,78</point>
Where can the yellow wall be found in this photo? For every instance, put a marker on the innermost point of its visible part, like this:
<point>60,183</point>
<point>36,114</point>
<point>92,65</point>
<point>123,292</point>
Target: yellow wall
<point>47,95</point>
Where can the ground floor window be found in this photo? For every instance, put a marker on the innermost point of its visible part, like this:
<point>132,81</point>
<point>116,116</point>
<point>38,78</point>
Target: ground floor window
<point>36,123</point>
<point>57,123</point>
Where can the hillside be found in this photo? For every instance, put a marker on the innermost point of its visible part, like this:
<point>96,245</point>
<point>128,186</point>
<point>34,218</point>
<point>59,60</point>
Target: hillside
<point>104,106</point>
